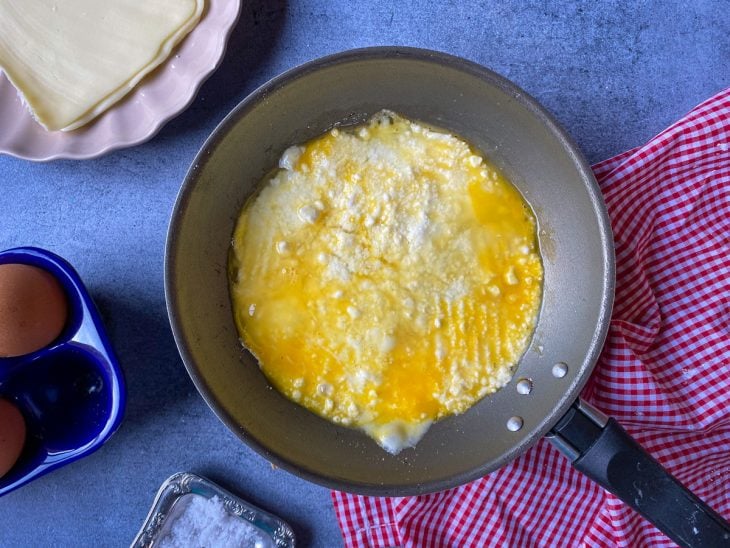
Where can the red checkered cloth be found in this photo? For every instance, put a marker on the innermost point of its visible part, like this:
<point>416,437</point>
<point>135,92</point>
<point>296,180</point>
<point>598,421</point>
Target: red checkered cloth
<point>664,372</point>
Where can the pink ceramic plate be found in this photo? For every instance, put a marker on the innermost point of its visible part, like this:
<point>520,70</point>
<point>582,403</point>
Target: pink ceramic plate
<point>163,94</point>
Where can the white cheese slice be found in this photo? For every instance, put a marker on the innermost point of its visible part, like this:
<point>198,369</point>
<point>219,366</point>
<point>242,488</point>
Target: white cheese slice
<point>72,59</point>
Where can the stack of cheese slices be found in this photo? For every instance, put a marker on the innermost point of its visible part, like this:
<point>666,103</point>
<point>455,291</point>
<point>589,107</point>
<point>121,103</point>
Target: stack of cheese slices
<point>71,60</point>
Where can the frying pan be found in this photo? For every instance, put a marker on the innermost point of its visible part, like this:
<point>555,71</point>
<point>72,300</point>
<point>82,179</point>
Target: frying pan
<point>576,244</point>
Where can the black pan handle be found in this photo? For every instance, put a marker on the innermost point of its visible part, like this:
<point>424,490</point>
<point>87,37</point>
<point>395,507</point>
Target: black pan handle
<point>603,451</point>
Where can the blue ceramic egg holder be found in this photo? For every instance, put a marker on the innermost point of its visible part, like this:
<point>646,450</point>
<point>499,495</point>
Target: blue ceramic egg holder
<point>71,393</point>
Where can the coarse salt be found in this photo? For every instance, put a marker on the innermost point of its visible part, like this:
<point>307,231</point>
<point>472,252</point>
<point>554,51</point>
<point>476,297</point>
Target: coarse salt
<point>206,523</point>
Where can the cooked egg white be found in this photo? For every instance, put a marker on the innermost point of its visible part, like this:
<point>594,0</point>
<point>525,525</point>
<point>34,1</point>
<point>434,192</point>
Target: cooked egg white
<point>385,277</point>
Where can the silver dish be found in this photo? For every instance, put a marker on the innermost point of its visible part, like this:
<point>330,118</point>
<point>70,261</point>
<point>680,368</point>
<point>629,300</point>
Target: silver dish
<point>170,502</point>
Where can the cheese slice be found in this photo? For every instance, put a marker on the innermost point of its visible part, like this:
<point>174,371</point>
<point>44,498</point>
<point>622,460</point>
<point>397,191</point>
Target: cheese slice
<point>73,59</point>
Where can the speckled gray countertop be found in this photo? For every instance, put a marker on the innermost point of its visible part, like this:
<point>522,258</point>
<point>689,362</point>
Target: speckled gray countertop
<point>614,74</point>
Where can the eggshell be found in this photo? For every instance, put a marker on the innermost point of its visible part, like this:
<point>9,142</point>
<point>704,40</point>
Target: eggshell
<point>12,436</point>
<point>33,309</point>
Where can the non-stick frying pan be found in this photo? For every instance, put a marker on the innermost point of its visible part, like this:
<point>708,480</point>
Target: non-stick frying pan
<point>577,250</point>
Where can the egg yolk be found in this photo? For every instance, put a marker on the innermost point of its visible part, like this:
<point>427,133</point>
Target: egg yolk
<point>385,277</point>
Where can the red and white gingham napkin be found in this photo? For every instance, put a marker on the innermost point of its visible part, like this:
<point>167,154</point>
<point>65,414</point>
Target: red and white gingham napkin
<point>664,372</point>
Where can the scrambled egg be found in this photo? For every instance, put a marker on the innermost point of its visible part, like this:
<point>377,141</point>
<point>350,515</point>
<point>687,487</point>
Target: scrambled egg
<point>385,277</point>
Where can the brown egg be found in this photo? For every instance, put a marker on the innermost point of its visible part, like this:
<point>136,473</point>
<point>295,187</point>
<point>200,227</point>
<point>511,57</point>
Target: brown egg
<point>12,436</point>
<point>33,309</point>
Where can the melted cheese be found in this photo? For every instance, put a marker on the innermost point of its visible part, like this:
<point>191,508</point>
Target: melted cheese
<point>386,277</point>
<point>72,59</point>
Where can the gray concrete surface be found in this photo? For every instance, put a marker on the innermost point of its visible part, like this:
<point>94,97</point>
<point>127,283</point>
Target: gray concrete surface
<point>613,73</point>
